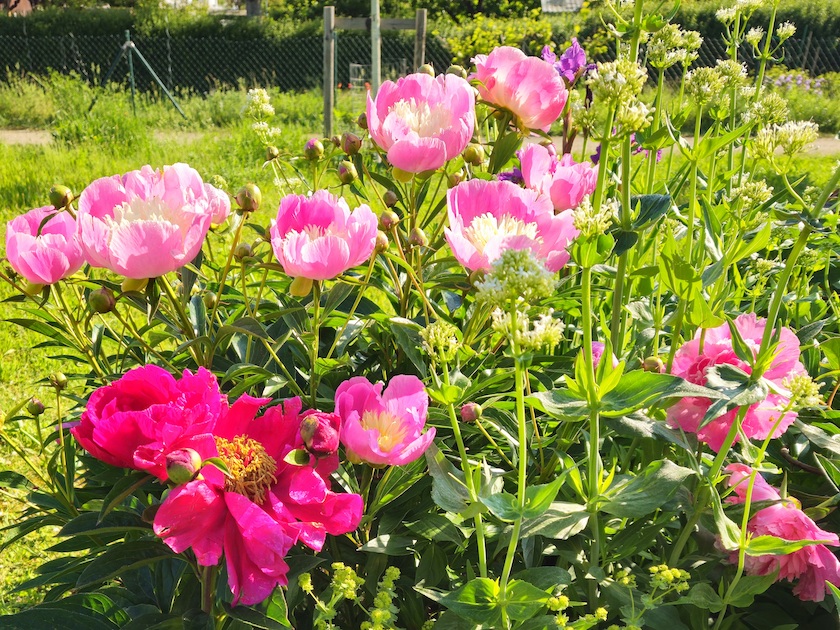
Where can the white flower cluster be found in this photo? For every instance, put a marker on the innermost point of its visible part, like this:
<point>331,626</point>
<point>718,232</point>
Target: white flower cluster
<point>704,85</point>
<point>754,36</point>
<point>791,137</point>
<point>804,391</point>
<point>750,194</point>
<point>517,276</point>
<point>785,30</point>
<point>440,341</point>
<point>671,45</point>
<point>617,81</point>
<point>266,133</point>
<point>591,223</point>
<point>769,109</point>
<point>544,332</point>
<point>258,104</point>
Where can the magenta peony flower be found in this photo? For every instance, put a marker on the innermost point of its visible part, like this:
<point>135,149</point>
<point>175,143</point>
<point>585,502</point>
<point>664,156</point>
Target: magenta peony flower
<point>42,245</point>
<point>488,217</point>
<point>527,86</point>
<point>564,180</point>
<point>145,223</point>
<point>255,515</point>
<point>421,121</point>
<point>319,238</point>
<point>383,427</point>
<point>136,421</point>
<point>813,565</point>
<point>598,348</point>
<point>691,364</point>
<point>218,204</point>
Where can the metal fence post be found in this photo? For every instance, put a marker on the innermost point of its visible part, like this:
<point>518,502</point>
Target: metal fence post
<point>131,71</point>
<point>329,70</point>
<point>420,38</point>
<point>375,47</point>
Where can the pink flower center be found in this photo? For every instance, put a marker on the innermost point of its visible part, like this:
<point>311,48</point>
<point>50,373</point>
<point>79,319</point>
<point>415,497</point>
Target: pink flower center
<point>422,119</point>
<point>486,228</point>
<point>251,468</point>
<point>391,429</point>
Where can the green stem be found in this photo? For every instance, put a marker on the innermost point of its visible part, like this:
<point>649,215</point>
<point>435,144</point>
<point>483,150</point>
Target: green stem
<point>81,338</point>
<point>594,456</point>
<point>220,289</point>
<point>316,325</point>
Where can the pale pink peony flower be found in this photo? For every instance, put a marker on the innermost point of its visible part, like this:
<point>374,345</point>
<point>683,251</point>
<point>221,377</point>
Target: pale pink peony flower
<point>254,516</point>
<point>691,364</point>
<point>564,180</point>
<point>145,223</point>
<point>42,245</point>
<point>383,427</point>
<point>219,204</point>
<point>813,565</point>
<point>319,238</point>
<point>527,86</point>
<point>421,121</point>
<point>136,421</point>
<point>487,218</point>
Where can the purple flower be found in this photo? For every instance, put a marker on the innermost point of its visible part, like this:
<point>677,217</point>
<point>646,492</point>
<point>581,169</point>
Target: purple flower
<point>571,62</point>
<point>514,176</point>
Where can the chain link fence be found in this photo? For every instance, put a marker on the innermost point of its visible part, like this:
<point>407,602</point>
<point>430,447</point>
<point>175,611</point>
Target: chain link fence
<point>295,63</point>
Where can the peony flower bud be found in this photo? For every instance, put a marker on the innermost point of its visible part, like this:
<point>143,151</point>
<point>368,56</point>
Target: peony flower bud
<point>457,71</point>
<point>313,149</point>
<point>182,465</point>
<point>210,299</point>
<point>388,220</point>
<point>427,68</point>
<point>336,141</point>
<point>243,250</point>
<point>381,242</point>
<point>34,407</point>
<point>61,197</point>
<point>454,179</point>
<point>350,143</point>
<point>390,198</point>
<point>474,154</point>
<point>362,121</point>
<point>271,153</point>
<point>347,173</point>
<point>58,380</point>
<point>319,431</point>
<point>470,412</point>
<point>653,364</point>
<point>249,197</point>
<point>418,238</point>
<point>102,300</point>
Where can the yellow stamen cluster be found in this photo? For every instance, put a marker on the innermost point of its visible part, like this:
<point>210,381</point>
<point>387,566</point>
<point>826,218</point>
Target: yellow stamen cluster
<point>251,468</point>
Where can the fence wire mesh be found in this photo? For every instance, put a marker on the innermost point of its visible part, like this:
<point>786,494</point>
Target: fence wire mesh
<point>295,63</point>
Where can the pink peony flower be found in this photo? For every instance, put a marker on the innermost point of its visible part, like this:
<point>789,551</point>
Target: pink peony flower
<point>136,421</point>
<point>319,238</point>
<point>421,121</point>
<point>42,245</point>
<point>565,181</point>
<point>813,565</point>
<point>218,203</point>
<point>255,515</point>
<point>383,427</point>
<point>145,223</point>
<point>691,364</point>
<point>527,86</point>
<point>598,348</point>
<point>488,217</point>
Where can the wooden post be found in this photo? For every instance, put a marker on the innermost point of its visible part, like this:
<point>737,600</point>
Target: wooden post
<point>375,48</point>
<point>329,70</point>
<point>420,38</point>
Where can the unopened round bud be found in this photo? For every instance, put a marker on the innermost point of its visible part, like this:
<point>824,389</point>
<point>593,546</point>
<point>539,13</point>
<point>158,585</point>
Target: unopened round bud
<point>319,432</point>
<point>210,299</point>
<point>60,197</point>
<point>271,153</point>
<point>390,198</point>
<point>243,250</point>
<point>427,68</point>
<point>388,220</point>
<point>470,412</point>
<point>454,179</point>
<point>653,364</point>
<point>350,143</point>
<point>381,241</point>
<point>418,238</point>
<point>313,149</point>
<point>457,71</point>
<point>182,465</point>
<point>336,140</point>
<point>347,173</point>
<point>58,380</point>
<point>102,300</point>
<point>362,120</point>
<point>474,154</point>
<point>34,407</point>
<point>249,197</point>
